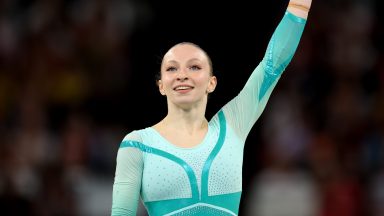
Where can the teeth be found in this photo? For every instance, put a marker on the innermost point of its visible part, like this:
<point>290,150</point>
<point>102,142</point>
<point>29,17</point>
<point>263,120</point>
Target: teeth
<point>182,87</point>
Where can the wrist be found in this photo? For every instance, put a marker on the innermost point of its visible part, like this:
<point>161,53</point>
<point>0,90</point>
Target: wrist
<point>299,8</point>
<point>304,5</point>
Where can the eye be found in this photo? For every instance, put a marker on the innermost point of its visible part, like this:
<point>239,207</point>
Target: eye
<point>171,68</point>
<point>195,67</point>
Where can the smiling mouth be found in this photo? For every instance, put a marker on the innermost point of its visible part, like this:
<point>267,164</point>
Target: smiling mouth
<point>182,88</point>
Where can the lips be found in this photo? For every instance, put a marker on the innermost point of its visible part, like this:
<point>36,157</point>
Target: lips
<point>182,87</point>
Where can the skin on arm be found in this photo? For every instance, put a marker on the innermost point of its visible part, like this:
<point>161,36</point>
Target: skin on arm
<point>300,8</point>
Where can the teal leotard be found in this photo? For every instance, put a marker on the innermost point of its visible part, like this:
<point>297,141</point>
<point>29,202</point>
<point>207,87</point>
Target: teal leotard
<point>206,179</point>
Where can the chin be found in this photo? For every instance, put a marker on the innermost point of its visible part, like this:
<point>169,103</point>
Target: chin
<point>187,103</point>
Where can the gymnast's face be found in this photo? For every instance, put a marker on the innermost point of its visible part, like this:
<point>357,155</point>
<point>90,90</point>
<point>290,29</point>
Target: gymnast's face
<point>186,77</point>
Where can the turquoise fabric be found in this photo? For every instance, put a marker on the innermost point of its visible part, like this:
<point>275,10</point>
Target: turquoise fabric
<point>206,179</point>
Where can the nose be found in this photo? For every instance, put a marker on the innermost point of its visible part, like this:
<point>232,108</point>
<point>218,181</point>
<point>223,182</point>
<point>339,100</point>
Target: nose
<point>182,75</point>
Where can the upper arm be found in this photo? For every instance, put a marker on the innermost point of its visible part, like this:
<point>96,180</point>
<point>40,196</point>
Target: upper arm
<point>243,111</point>
<point>127,182</point>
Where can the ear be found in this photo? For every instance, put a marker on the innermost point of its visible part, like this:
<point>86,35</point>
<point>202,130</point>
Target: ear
<point>161,87</point>
<point>212,84</point>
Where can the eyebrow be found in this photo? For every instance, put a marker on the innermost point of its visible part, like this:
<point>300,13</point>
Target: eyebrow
<point>190,60</point>
<point>171,61</point>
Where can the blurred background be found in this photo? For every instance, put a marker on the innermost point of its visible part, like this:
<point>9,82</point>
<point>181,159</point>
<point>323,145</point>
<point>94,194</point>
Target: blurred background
<point>77,75</point>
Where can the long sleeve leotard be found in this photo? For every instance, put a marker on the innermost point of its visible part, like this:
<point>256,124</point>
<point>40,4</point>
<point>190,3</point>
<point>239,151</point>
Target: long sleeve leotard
<point>206,179</point>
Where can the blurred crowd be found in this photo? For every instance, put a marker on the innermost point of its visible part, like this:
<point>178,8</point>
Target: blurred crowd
<point>63,62</point>
<point>323,133</point>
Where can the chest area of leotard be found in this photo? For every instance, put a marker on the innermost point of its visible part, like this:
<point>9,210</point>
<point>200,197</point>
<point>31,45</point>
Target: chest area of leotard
<point>174,173</point>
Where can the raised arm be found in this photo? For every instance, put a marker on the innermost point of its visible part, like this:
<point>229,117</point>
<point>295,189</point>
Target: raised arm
<point>243,111</point>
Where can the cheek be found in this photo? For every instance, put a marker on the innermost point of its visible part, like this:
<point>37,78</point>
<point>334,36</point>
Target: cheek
<point>203,80</point>
<point>166,81</point>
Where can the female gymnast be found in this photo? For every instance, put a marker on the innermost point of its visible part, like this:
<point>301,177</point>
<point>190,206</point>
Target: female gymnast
<point>185,164</point>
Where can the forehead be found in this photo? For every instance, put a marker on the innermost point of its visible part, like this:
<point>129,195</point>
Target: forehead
<point>184,52</point>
